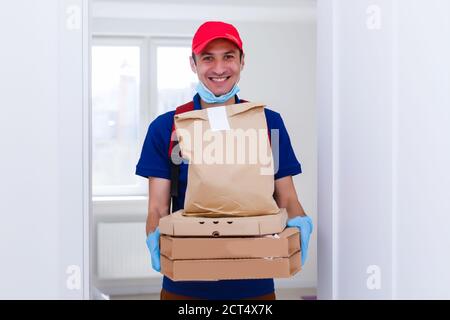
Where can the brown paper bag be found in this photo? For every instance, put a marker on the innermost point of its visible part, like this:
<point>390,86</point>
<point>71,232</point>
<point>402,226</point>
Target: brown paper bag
<point>230,161</point>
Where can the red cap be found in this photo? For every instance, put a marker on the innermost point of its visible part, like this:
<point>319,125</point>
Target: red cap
<point>212,30</point>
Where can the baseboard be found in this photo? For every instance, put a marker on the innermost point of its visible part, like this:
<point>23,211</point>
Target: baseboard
<point>131,286</point>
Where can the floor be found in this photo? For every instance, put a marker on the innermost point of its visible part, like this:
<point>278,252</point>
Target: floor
<point>282,294</point>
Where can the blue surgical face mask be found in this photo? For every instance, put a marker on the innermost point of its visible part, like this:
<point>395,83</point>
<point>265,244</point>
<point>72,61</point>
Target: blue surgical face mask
<point>209,97</point>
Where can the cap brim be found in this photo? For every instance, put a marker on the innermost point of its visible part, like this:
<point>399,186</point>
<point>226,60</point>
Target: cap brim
<point>198,49</point>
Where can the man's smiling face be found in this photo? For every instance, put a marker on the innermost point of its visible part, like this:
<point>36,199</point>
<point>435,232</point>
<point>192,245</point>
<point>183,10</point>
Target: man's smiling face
<point>218,66</point>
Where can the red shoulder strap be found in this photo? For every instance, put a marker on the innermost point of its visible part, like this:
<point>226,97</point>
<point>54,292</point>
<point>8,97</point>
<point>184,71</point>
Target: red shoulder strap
<point>185,107</point>
<point>180,109</point>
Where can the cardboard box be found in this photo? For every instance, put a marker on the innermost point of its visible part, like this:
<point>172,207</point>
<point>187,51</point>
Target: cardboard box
<point>186,259</point>
<point>176,224</point>
<point>182,248</point>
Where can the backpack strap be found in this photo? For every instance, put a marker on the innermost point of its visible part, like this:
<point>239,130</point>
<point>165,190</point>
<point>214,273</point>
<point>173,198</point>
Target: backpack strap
<point>175,167</point>
<point>181,109</point>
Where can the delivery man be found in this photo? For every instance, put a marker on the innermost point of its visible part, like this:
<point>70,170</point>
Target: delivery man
<point>217,59</point>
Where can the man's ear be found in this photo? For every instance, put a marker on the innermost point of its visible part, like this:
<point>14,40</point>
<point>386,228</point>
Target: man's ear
<point>193,65</point>
<point>242,61</point>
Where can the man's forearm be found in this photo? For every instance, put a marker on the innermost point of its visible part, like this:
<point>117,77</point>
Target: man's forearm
<point>152,222</point>
<point>294,208</point>
<point>154,214</point>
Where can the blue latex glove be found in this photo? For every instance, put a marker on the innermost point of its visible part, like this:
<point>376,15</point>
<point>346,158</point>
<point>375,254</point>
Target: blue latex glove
<point>153,247</point>
<point>305,225</point>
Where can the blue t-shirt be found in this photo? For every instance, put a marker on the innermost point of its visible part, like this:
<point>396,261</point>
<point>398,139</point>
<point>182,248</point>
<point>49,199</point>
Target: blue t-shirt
<point>154,162</point>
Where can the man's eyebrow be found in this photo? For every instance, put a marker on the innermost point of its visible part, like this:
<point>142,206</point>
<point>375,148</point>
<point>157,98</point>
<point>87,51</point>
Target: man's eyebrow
<point>211,54</point>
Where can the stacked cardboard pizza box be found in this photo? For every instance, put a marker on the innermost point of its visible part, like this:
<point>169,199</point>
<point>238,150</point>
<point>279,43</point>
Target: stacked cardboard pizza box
<point>211,248</point>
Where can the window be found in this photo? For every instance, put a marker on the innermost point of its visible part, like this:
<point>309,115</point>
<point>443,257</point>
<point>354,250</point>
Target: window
<point>175,79</point>
<point>116,114</point>
<point>131,85</point>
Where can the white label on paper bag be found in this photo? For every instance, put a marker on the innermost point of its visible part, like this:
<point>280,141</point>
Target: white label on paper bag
<point>218,119</point>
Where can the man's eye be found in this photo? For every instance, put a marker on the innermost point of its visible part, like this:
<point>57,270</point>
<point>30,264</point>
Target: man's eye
<point>229,56</point>
<point>207,59</point>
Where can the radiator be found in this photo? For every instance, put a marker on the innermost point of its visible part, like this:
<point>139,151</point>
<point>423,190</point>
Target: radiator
<point>122,252</point>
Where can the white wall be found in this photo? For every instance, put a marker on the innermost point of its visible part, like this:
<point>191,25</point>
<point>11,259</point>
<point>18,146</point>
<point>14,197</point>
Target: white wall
<point>384,149</point>
<point>280,71</point>
<point>43,126</point>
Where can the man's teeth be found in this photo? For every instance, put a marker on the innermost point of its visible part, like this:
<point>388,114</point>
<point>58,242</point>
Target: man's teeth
<point>219,79</point>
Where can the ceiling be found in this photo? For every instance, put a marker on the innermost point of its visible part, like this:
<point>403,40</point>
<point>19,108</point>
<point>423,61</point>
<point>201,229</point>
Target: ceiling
<point>254,3</point>
<point>248,10</point>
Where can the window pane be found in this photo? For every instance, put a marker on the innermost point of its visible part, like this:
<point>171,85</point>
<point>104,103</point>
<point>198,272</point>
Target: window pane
<point>176,81</point>
<point>115,114</point>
